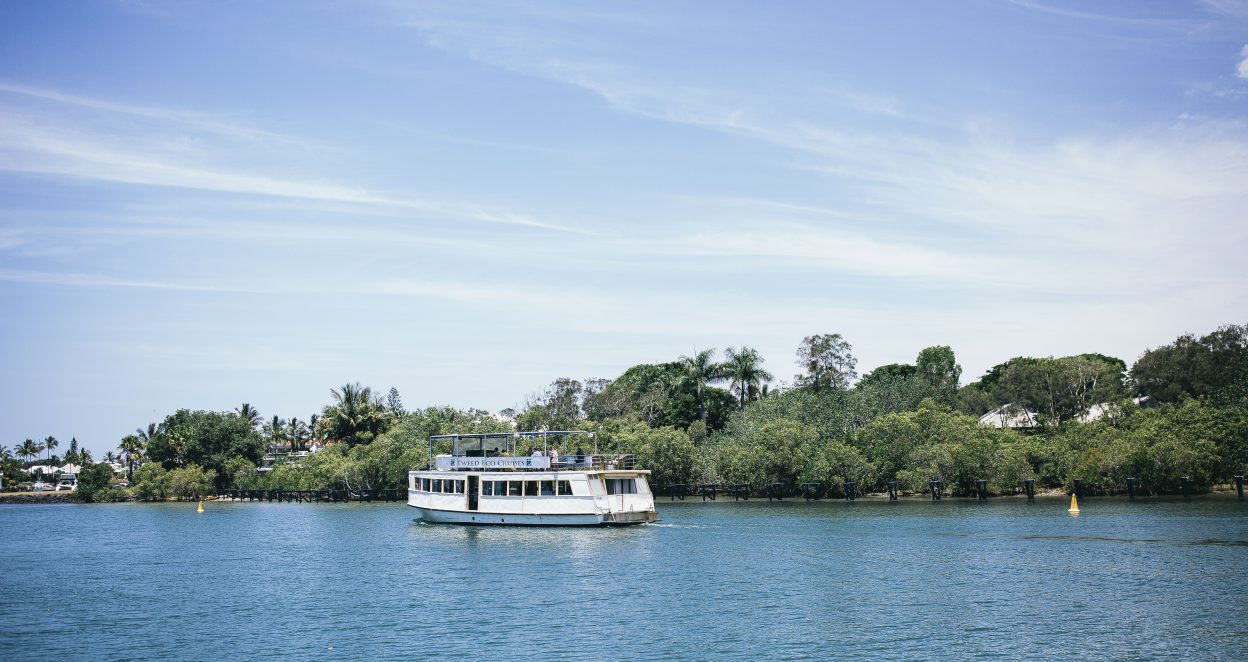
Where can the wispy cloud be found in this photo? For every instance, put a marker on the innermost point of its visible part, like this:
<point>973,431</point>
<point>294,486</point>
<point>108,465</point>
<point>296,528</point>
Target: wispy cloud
<point>470,293</point>
<point>1242,70</point>
<point>199,121</point>
<point>1101,200</point>
<point>159,153</point>
<point>1167,22</point>
<point>98,280</point>
<point>1233,8</point>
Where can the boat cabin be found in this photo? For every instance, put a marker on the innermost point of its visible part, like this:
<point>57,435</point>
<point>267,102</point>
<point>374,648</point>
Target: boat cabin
<point>529,478</point>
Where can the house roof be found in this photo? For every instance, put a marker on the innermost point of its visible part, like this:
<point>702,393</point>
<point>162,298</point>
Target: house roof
<point>1013,416</point>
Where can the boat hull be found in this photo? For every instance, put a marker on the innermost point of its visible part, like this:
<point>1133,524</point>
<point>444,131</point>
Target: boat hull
<point>435,516</point>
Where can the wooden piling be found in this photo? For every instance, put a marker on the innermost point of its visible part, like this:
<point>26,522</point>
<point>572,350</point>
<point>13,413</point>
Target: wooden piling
<point>1130,489</point>
<point>1239,486</point>
<point>1029,486</point>
<point>981,489</point>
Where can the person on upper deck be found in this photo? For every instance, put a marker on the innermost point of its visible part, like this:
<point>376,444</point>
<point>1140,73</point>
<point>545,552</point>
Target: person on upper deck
<point>580,455</point>
<point>554,455</point>
<point>537,452</point>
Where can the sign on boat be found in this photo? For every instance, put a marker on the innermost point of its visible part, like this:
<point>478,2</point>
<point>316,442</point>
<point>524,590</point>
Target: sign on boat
<point>530,478</point>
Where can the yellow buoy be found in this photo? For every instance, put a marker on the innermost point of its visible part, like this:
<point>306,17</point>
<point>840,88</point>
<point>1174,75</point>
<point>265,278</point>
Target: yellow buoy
<point>1074,505</point>
<point>201,506</point>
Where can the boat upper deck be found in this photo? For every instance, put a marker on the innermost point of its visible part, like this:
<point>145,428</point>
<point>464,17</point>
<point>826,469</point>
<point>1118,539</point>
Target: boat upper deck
<point>524,451</point>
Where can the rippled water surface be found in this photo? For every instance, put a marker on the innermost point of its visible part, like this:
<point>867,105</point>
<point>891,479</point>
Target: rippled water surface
<point>906,580</point>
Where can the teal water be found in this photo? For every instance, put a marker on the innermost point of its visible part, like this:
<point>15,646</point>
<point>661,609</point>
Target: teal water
<point>906,580</point>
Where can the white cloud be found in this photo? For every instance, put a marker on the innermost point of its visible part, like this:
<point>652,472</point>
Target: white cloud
<point>1242,69</point>
<point>1130,208</point>
<point>97,280</point>
<point>469,293</point>
<point>160,147</point>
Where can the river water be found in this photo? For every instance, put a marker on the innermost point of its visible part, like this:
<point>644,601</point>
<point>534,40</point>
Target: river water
<point>1156,579</point>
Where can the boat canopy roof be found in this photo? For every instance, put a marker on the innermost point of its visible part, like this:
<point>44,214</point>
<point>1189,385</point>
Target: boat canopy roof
<point>482,443</point>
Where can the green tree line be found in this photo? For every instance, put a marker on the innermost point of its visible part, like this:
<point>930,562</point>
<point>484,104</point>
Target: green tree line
<point>718,417</point>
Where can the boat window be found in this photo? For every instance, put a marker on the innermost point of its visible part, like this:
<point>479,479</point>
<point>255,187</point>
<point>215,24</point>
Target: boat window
<point>437,485</point>
<point>530,488</point>
<point>459,487</point>
<point>514,488</point>
<point>565,487</point>
<point>548,488</point>
<point>621,486</point>
<point>487,488</point>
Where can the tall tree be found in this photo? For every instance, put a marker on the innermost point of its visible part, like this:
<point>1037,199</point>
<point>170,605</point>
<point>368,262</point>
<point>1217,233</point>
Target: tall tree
<point>354,418</point>
<point>275,430</point>
<point>828,361</point>
<point>49,444</point>
<point>1215,365</point>
<point>744,368</point>
<point>249,414</point>
<point>1059,389</point>
<point>132,446</point>
<point>939,368</point>
<point>146,436</point>
<point>28,449</point>
<point>700,370</point>
<point>7,462</point>
<point>394,403</point>
<point>297,433</point>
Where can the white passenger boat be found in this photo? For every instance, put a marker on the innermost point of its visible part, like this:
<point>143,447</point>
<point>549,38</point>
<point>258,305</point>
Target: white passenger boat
<point>520,478</point>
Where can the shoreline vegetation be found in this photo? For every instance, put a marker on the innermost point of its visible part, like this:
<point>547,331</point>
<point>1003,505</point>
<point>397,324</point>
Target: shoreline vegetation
<point>1056,495</point>
<point>1179,413</point>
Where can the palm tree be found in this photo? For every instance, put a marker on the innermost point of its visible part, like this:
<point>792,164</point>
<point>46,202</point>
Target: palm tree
<point>132,446</point>
<point>48,445</point>
<point>744,368</point>
<point>275,430</point>
<point>313,420</point>
<point>7,463</point>
<point>147,435</point>
<point>250,414</point>
<point>297,432</point>
<point>354,418</point>
<point>110,457</point>
<point>29,449</point>
<point>701,369</point>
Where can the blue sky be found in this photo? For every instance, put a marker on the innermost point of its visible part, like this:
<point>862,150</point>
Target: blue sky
<point>206,203</point>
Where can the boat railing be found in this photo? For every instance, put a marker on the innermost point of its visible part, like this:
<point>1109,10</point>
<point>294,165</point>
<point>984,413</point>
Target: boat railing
<point>598,461</point>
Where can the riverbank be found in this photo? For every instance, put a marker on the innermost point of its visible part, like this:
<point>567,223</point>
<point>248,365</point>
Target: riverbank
<point>37,497</point>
